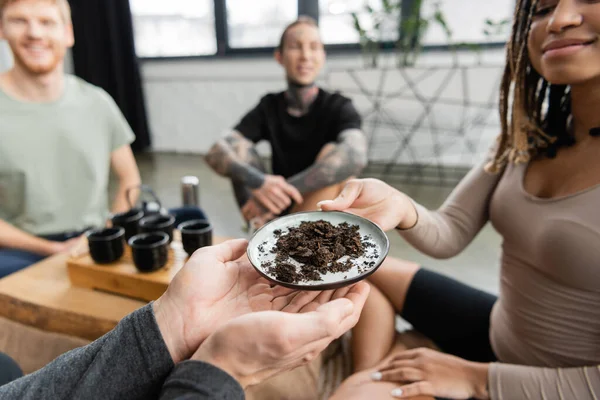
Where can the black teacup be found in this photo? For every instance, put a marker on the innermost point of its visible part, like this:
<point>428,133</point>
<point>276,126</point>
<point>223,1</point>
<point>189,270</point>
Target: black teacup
<point>106,245</point>
<point>150,250</point>
<point>158,223</point>
<point>195,234</point>
<point>129,220</point>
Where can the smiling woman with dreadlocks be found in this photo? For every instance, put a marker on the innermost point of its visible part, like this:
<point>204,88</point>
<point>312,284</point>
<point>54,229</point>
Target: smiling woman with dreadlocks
<point>540,338</point>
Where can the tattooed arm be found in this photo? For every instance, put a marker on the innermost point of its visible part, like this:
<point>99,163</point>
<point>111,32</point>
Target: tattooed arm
<point>226,158</point>
<point>229,157</point>
<point>348,158</point>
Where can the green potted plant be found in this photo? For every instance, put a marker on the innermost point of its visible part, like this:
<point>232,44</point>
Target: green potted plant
<point>411,30</point>
<point>371,37</point>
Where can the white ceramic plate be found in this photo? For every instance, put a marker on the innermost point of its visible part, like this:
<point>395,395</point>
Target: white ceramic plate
<point>263,240</point>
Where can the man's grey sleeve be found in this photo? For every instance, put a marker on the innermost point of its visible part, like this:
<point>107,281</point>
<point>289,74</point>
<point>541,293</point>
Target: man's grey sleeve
<point>195,380</point>
<point>130,362</point>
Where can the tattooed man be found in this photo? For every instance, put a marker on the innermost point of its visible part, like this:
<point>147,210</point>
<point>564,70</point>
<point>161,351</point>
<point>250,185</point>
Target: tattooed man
<point>315,137</point>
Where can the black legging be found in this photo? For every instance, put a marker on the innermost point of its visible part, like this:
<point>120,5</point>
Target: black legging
<point>456,317</point>
<point>9,370</point>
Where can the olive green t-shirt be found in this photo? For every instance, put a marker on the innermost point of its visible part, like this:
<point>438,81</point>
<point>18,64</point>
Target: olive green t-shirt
<point>55,158</point>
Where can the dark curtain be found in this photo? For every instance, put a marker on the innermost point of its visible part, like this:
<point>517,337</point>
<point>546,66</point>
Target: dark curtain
<point>104,55</point>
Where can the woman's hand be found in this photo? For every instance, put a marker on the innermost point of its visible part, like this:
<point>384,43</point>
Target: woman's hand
<point>377,201</point>
<point>426,372</point>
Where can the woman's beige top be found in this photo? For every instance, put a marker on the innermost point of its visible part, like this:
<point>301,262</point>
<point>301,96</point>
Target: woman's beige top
<point>545,327</point>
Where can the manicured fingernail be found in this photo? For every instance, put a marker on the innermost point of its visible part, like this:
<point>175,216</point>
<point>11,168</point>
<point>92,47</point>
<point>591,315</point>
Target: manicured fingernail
<point>376,376</point>
<point>397,393</point>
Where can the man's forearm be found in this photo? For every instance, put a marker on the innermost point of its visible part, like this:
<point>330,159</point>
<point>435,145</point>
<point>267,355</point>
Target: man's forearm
<point>121,203</point>
<point>222,158</point>
<point>246,174</point>
<point>347,159</point>
<point>130,362</point>
<point>123,165</point>
<point>14,238</point>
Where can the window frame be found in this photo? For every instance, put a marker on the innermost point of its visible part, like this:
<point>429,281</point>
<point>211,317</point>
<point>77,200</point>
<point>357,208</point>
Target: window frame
<point>305,7</point>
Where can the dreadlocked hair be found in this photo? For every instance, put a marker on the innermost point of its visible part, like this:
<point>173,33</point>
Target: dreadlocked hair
<point>536,121</point>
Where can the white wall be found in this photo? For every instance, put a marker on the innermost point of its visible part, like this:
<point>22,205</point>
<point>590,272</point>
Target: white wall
<point>192,102</point>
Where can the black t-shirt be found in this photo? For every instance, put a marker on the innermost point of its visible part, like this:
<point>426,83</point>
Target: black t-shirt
<point>296,141</point>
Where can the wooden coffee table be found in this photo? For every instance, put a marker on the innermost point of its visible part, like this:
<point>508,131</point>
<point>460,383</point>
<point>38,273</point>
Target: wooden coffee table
<point>41,296</point>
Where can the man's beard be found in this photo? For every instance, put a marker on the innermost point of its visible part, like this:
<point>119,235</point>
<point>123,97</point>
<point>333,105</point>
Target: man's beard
<point>37,68</point>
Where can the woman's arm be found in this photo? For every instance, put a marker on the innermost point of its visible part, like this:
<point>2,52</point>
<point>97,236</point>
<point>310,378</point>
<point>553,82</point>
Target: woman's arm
<point>446,232</point>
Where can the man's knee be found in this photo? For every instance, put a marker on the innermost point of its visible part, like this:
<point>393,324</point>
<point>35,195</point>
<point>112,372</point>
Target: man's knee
<point>187,213</point>
<point>16,260</point>
<point>9,370</point>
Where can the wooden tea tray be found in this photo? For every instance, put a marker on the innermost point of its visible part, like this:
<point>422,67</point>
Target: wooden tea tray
<point>121,277</point>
